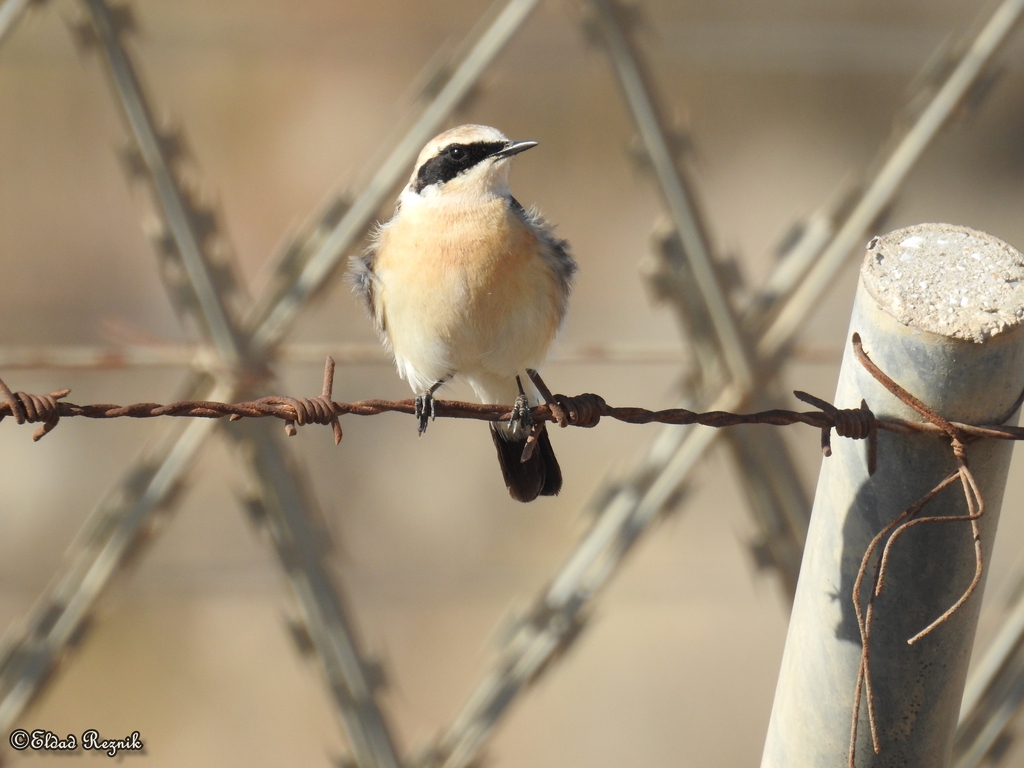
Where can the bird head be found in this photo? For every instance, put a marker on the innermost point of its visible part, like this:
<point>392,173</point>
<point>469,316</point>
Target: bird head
<point>471,160</point>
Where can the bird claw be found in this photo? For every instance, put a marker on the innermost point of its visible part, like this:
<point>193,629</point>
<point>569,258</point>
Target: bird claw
<point>425,411</point>
<point>521,416</point>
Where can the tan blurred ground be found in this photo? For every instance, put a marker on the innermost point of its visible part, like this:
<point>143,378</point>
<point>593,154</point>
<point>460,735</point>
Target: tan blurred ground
<point>284,102</point>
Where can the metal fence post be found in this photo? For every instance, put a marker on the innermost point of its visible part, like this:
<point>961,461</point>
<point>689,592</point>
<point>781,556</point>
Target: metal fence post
<point>940,310</point>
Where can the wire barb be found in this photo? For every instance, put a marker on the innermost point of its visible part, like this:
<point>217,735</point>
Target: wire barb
<point>33,409</point>
<point>855,423</point>
<point>308,410</point>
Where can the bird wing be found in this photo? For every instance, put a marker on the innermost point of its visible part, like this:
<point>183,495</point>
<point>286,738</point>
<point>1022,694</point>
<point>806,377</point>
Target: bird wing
<point>364,283</point>
<point>554,251</point>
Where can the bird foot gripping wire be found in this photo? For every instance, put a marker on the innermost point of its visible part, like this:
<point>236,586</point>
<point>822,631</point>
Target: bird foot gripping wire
<point>426,409</point>
<point>521,418</point>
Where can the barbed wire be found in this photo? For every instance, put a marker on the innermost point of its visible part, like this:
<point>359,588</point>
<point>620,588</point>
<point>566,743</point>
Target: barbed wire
<point>587,410</point>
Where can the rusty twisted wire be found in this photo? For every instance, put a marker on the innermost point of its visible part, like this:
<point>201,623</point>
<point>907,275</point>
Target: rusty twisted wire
<point>584,410</point>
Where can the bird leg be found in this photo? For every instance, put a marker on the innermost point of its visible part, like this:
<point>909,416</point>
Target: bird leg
<point>425,409</point>
<point>521,417</point>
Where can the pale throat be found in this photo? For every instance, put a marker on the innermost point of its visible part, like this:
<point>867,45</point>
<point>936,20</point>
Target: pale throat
<point>477,187</point>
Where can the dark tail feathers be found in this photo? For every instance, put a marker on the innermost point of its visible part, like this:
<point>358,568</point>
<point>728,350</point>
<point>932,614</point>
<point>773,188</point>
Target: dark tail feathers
<point>540,476</point>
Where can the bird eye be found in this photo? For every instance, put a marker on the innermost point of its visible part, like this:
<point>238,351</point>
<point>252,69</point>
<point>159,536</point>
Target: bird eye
<point>456,152</point>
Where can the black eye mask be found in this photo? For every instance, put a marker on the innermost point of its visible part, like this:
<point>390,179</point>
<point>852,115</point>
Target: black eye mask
<point>453,160</point>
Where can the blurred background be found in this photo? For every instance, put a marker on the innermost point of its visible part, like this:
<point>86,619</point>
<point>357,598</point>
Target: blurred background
<point>165,608</point>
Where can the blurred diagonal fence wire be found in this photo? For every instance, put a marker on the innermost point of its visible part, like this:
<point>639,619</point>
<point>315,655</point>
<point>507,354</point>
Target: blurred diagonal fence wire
<point>994,692</point>
<point>11,12</point>
<point>623,510</point>
<point>995,689</point>
<point>945,101</point>
<point>127,516</point>
<point>679,200</point>
<point>694,280</point>
<point>186,240</point>
<point>204,291</point>
<point>28,663</point>
<point>354,691</point>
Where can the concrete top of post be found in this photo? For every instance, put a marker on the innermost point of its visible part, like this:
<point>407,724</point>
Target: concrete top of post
<point>949,280</point>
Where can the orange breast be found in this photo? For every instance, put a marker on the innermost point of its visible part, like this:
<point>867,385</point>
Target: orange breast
<point>470,281</point>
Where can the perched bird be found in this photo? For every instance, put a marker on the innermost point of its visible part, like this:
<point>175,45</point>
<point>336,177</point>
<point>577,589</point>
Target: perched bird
<point>463,281</point>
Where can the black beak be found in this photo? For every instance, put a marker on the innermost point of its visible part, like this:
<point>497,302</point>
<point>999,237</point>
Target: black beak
<point>513,148</point>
